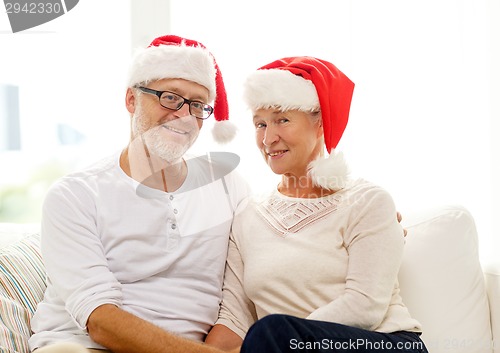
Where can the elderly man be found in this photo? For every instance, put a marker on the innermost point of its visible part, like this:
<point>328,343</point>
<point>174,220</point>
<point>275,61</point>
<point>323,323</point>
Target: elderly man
<point>135,245</point>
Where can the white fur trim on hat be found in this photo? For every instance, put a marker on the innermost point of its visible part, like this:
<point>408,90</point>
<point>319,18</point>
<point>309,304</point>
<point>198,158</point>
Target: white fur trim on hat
<point>224,131</point>
<point>174,61</point>
<point>279,88</point>
<point>330,173</point>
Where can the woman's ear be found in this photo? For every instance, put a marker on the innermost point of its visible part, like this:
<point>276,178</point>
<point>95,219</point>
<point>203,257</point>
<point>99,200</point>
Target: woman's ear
<point>320,131</point>
<point>320,127</point>
<point>130,100</point>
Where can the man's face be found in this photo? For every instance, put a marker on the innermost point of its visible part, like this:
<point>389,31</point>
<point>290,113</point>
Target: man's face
<point>166,133</point>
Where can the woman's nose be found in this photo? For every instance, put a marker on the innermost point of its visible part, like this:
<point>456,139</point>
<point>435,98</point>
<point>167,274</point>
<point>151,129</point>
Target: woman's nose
<point>270,136</point>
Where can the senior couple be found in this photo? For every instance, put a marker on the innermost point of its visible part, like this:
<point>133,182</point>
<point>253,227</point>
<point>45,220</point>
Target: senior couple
<point>149,251</point>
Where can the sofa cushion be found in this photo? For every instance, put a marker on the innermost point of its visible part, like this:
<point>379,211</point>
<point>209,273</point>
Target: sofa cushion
<point>442,281</point>
<point>22,284</point>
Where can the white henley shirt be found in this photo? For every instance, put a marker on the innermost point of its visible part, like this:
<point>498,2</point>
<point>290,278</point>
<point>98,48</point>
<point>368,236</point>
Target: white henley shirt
<point>107,239</point>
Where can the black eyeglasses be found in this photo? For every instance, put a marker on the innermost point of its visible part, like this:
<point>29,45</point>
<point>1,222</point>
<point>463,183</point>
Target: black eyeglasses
<point>173,101</point>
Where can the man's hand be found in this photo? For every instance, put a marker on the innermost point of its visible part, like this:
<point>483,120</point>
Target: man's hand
<point>122,332</point>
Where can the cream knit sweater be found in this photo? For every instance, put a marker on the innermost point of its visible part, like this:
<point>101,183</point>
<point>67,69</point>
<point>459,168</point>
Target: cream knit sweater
<point>334,258</point>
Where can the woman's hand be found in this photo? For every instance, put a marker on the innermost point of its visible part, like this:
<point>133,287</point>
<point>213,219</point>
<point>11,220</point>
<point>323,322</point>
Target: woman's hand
<point>224,338</point>
<point>400,218</point>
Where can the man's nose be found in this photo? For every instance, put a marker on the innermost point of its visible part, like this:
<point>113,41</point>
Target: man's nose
<point>184,111</point>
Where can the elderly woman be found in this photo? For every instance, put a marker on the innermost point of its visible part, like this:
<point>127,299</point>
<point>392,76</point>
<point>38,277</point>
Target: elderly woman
<point>313,265</point>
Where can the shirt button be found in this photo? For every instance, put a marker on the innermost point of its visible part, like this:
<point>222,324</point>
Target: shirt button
<point>175,211</point>
<point>173,226</point>
<point>171,197</point>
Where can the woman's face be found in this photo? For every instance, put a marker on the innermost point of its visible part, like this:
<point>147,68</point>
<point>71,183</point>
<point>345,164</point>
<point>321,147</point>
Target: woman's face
<point>288,140</point>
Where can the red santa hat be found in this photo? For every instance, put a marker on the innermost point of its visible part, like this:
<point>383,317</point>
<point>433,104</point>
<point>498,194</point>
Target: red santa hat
<point>308,84</point>
<point>172,56</point>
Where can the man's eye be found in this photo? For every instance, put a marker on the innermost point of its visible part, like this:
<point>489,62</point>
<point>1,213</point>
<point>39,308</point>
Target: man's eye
<point>170,98</point>
<point>197,105</point>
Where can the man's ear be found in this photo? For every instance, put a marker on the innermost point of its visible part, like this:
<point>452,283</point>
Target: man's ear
<point>130,100</point>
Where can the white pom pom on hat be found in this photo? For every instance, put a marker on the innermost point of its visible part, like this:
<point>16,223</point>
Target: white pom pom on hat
<point>308,84</point>
<point>172,56</point>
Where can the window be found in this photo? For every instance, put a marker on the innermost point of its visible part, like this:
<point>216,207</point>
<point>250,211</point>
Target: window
<point>66,81</point>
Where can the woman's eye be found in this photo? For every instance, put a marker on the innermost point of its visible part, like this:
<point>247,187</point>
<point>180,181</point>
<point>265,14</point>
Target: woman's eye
<point>259,125</point>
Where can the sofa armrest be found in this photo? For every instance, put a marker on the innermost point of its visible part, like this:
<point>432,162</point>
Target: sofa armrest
<point>492,278</point>
<point>442,280</point>
<point>13,232</point>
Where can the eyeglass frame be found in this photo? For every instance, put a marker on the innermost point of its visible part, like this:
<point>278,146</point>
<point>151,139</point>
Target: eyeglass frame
<point>185,100</point>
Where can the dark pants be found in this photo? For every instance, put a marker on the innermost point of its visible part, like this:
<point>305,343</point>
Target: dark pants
<point>283,333</point>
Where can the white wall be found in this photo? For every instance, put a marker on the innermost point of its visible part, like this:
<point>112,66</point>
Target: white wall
<point>148,19</point>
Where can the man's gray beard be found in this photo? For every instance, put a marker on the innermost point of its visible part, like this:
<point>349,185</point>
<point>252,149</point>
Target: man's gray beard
<point>157,145</point>
<point>167,150</point>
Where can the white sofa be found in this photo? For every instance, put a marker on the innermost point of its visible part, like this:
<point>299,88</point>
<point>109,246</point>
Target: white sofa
<point>455,297</point>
